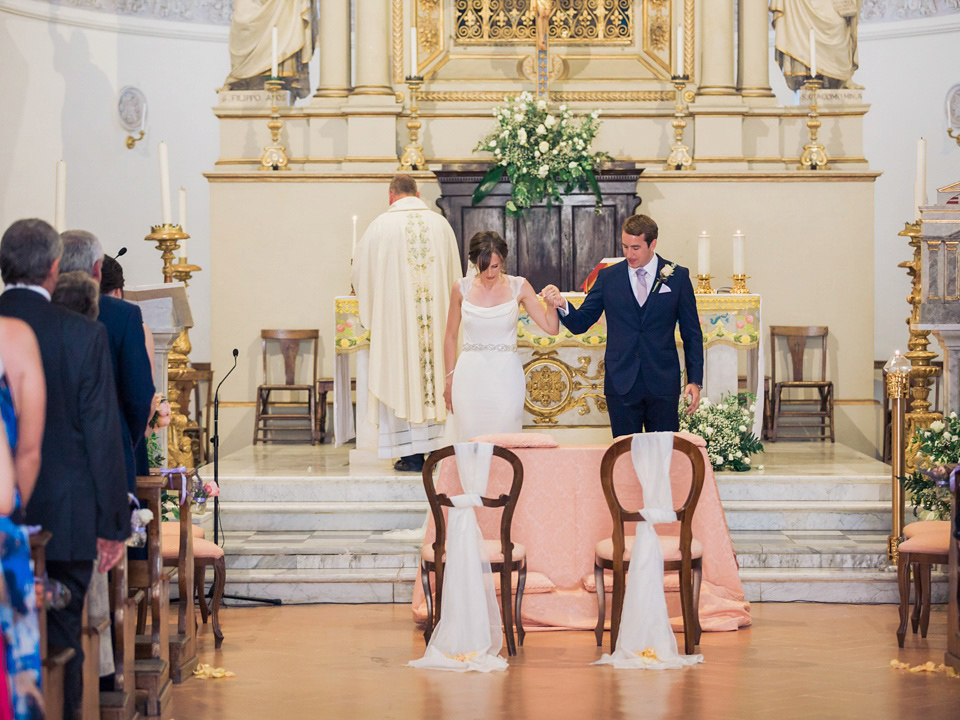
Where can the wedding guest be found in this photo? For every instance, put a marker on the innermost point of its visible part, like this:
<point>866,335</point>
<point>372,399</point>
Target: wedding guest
<point>644,298</point>
<point>20,356</point>
<point>404,268</point>
<point>132,367</point>
<point>79,292</point>
<point>80,494</point>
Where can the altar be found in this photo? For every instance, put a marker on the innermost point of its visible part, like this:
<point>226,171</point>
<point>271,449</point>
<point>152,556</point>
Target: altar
<point>564,373</point>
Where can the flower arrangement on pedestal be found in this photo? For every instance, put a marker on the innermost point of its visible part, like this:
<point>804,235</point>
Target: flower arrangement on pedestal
<point>726,427</point>
<point>544,153</point>
<point>937,446</point>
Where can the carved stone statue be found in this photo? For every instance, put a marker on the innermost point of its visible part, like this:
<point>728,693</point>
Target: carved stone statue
<point>251,43</point>
<point>834,24</point>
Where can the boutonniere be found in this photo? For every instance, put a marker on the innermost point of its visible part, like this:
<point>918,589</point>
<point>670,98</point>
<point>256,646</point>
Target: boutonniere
<point>665,272</point>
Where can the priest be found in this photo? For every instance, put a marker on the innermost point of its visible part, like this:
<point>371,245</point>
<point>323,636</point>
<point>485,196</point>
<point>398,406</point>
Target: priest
<point>404,268</point>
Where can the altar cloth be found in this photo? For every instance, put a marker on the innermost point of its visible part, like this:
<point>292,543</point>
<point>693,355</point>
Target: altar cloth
<point>562,514</point>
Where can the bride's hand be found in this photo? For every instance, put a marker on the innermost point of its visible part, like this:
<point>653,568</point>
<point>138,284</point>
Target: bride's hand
<point>448,394</point>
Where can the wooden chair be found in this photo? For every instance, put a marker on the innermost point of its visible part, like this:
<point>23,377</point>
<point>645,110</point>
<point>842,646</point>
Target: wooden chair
<point>681,554</point>
<point>916,557</point>
<point>91,636</point>
<point>505,557</point>
<point>324,386</point>
<point>266,427</point>
<point>205,555</point>
<point>820,416</point>
<point>152,666</point>
<point>54,659</point>
<point>177,549</point>
<point>121,702</point>
<point>202,384</point>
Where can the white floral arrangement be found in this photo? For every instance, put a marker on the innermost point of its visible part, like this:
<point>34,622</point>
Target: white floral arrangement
<point>545,153</point>
<point>727,428</point>
<point>936,446</point>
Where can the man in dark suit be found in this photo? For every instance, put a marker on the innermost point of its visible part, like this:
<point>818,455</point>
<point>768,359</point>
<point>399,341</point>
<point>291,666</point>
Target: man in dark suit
<point>128,352</point>
<point>644,297</point>
<point>81,493</point>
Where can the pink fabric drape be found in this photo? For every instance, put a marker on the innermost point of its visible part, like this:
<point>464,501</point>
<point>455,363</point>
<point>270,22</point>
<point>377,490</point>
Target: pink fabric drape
<point>562,514</point>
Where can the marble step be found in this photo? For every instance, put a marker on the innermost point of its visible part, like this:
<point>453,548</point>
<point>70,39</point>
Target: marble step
<point>322,515</point>
<point>368,489</point>
<point>324,585</point>
<point>829,585</point>
<point>807,515</point>
<point>813,558</point>
<point>740,487</point>
<point>359,557</point>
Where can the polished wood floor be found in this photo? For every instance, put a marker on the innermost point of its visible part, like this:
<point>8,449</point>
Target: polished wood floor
<point>797,661</point>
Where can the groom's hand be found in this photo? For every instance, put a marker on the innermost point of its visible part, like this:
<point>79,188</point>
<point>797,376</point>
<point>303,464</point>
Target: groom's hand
<point>692,391</point>
<point>552,295</point>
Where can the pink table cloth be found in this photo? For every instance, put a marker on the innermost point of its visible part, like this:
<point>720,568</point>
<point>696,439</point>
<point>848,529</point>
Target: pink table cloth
<point>562,514</point>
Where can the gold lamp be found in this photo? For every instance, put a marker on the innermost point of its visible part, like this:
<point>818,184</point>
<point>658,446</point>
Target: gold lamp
<point>897,371</point>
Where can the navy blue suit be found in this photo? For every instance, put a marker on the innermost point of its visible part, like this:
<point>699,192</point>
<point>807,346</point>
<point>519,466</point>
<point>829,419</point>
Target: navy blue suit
<point>642,366</point>
<point>132,371</point>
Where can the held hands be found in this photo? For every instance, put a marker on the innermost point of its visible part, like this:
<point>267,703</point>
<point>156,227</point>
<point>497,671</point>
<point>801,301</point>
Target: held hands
<point>551,294</point>
<point>692,391</point>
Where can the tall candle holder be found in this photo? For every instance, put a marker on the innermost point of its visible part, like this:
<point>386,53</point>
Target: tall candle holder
<point>680,157</point>
<point>739,285</point>
<point>178,369</point>
<point>274,155</point>
<point>703,285</point>
<point>412,158</point>
<point>814,155</point>
<point>167,237</point>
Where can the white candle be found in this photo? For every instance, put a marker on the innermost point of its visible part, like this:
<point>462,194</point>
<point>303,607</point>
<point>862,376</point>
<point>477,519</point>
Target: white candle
<point>813,54</point>
<point>679,66</point>
<point>353,244</point>
<point>920,183</point>
<point>183,224</point>
<point>413,51</point>
<point>60,198</point>
<point>703,254</point>
<point>739,250</point>
<point>274,71</point>
<point>167,217</point>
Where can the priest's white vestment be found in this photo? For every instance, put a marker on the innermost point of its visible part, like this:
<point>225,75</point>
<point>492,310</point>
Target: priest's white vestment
<point>404,269</point>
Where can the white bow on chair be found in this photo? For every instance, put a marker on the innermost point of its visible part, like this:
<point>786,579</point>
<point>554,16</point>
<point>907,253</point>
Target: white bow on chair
<point>645,622</point>
<point>469,634</point>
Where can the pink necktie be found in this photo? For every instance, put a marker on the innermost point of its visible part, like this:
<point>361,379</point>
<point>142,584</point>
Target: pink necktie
<point>641,286</point>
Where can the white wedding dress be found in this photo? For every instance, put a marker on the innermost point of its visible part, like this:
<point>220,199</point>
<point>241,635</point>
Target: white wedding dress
<point>488,383</point>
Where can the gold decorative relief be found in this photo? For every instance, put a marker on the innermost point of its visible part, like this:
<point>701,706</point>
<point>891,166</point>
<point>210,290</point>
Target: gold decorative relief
<point>397,40</point>
<point>486,22</point>
<point>555,387</point>
<point>429,32</point>
<point>494,96</point>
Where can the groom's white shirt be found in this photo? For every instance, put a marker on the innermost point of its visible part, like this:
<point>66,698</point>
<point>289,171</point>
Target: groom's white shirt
<point>650,267</point>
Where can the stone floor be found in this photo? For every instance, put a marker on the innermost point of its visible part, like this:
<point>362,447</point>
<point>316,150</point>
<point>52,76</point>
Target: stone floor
<point>796,662</point>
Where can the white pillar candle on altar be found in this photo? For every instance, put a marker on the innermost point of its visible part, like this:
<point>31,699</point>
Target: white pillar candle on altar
<point>274,69</point>
<point>678,69</point>
<point>703,254</point>
<point>353,244</point>
<point>813,54</point>
<point>413,51</point>
<point>183,223</point>
<point>60,198</point>
<point>739,250</point>
<point>920,182</point>
<point>166,215</point>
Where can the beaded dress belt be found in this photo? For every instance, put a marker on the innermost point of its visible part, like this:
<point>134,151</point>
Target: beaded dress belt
<point>467,347</point>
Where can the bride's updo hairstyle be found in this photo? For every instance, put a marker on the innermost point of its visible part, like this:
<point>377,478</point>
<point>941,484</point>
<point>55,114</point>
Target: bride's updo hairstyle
<point>483,246</point>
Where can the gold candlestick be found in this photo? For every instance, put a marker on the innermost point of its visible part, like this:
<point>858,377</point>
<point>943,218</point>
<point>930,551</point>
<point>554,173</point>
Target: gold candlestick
<point>412,158</point>
<point>167,238</point>
<point>179,442</point>
<point>274,155</point>
<point>898,379</point>
<point>814,155</point>
<point>680,157</point>
<point>739,285</point>
<point>703,285</point>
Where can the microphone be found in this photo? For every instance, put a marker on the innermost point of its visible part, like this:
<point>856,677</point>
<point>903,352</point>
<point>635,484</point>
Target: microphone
<point>216,394</point>
<point>123,251</point>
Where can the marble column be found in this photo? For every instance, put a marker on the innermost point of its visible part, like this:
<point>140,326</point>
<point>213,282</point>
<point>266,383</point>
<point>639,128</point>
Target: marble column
<point>373,48</point>
<point>334,48</point>
<point>949,339</point>
<point>716,68</point>
<point>753,68</point>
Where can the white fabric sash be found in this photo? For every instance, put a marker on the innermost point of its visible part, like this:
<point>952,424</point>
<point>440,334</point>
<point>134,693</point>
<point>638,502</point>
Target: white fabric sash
<point>469,634</point>
<point>645,623</point>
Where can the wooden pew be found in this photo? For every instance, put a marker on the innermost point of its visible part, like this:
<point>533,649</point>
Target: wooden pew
<point>90,636</point>
<point>54,663</point>
<point>183,645</point>
<point>152,667</point>
<point>121,702</point>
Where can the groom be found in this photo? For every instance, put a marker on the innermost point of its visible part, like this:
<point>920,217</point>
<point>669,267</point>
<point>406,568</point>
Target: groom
<point>644,299</point>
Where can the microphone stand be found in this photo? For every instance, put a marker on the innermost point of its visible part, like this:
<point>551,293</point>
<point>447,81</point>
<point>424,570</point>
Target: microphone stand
<point>216,479</point>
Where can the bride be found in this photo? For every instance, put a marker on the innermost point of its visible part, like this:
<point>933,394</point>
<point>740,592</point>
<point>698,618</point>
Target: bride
<point>486,388</point>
